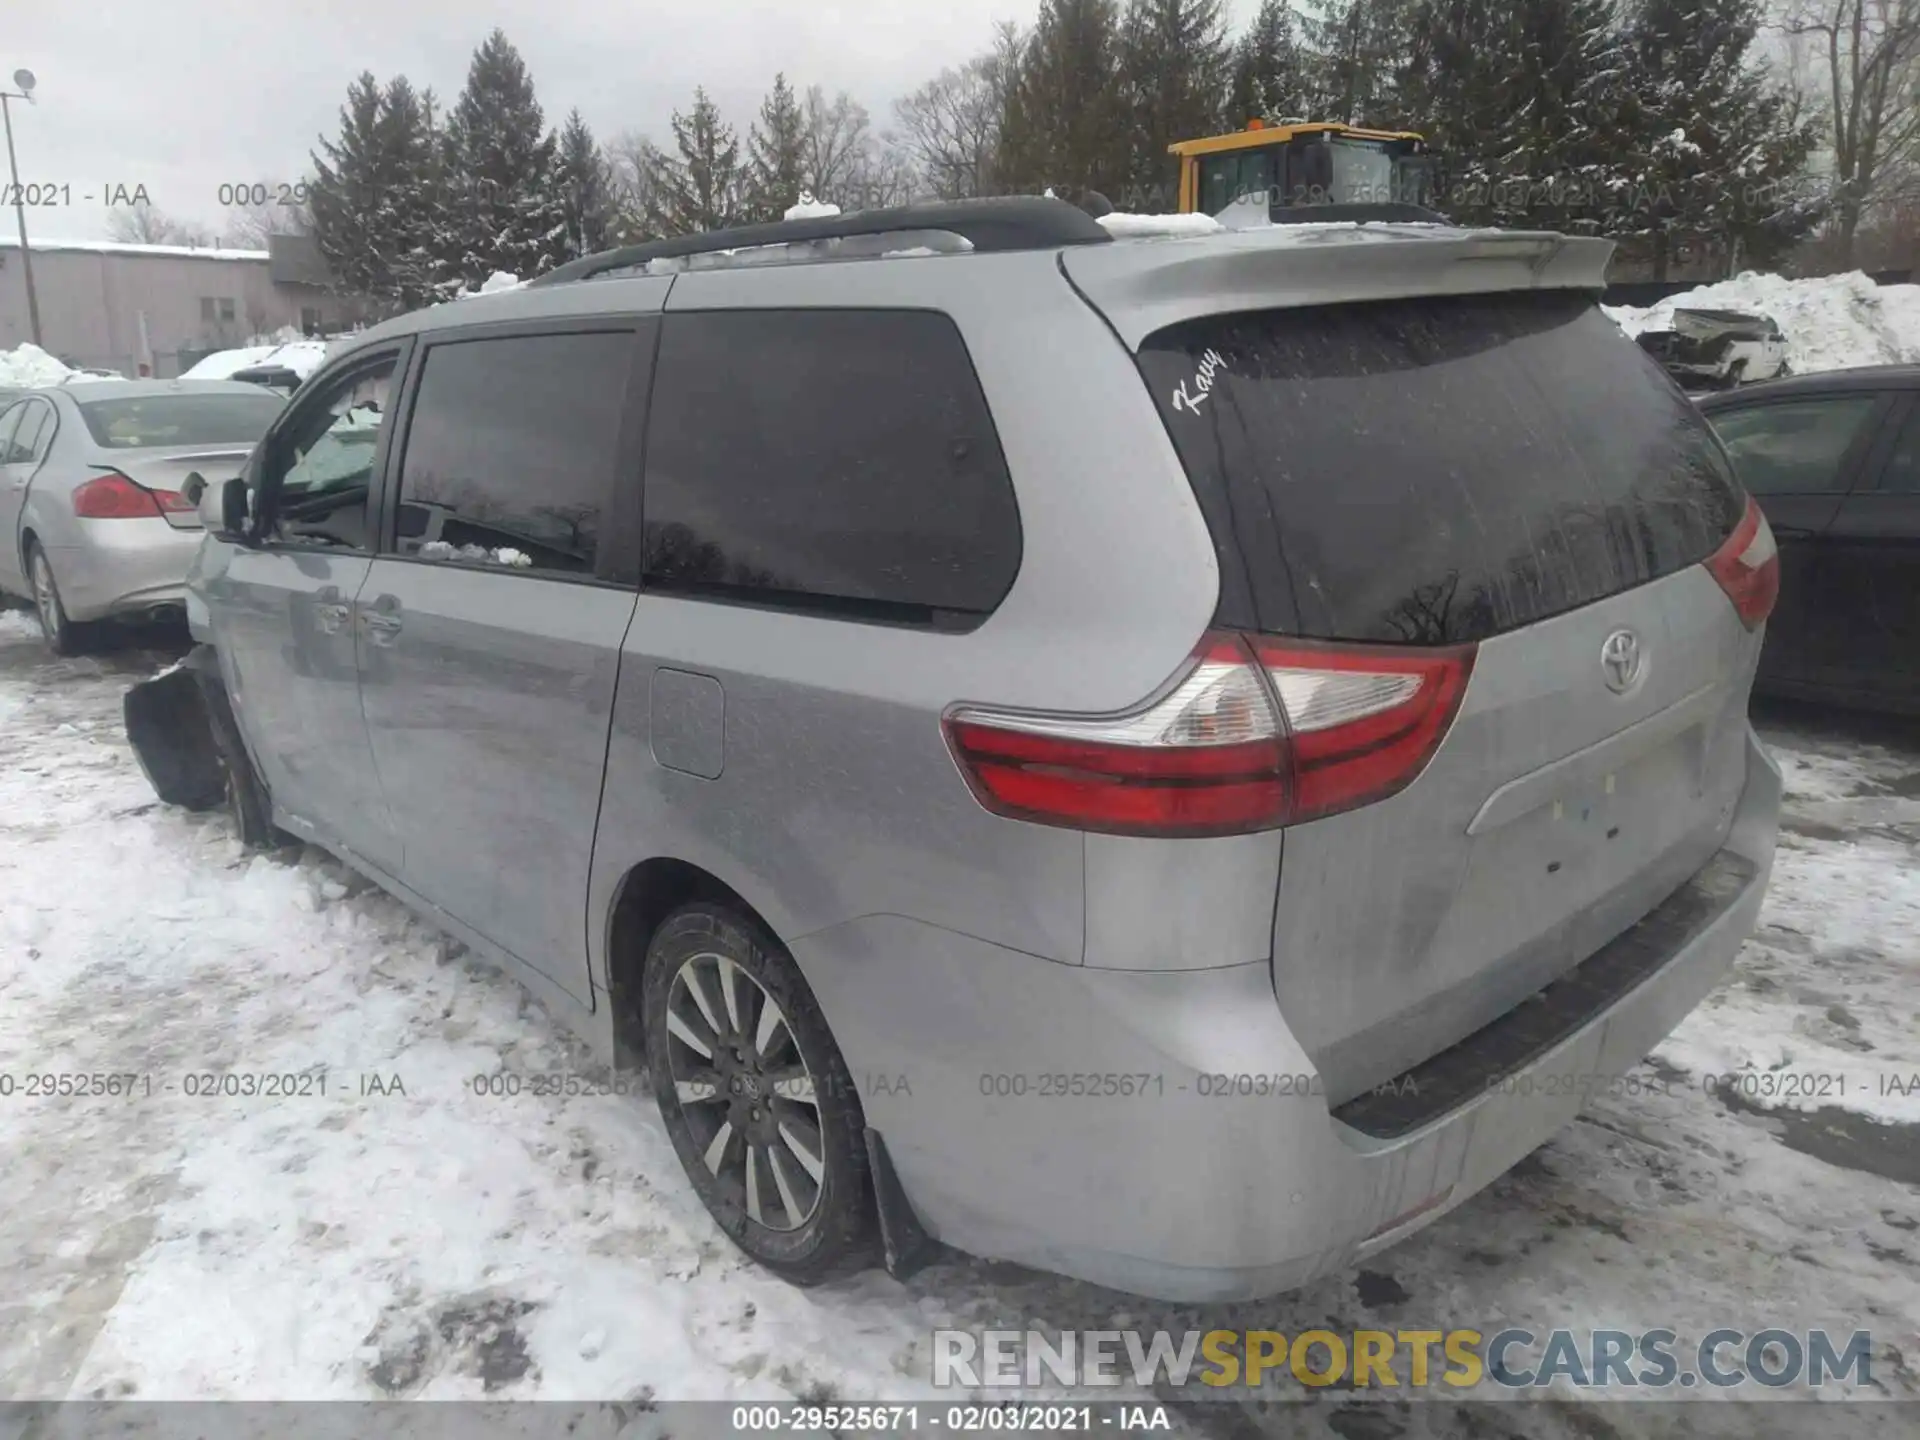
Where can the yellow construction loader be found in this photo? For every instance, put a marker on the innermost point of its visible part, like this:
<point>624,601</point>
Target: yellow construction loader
<point>1282,169</point>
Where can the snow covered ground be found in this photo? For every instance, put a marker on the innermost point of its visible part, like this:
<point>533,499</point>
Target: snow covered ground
<point>401,1234</point>
<point>1832,322</point>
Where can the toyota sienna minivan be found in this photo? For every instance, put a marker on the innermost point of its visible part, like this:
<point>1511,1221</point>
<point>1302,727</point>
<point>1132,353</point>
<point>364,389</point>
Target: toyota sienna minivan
<point>1170,760</point>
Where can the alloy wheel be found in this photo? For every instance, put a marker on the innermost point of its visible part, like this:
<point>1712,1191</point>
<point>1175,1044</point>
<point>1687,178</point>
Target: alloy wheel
<point>746,1091</point>
<point>46,599</point>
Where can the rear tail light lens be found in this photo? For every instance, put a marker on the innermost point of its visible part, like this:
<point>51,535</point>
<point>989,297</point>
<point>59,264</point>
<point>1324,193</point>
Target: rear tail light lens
<point>1362,720</point>
<point>113,496</point>
<point>1748,567</point>
<point>1207,759</point>
<point>171,500</point>
<point>1256,734</point>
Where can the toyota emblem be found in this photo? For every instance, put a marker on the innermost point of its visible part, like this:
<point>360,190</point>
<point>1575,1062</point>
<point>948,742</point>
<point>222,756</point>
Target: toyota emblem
<point>1620,660</point>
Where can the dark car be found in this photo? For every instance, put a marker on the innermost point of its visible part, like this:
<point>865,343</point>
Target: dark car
<point>1834,460</point>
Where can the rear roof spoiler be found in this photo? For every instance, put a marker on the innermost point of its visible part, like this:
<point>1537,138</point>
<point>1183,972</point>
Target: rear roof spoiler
<point>1146,285</point>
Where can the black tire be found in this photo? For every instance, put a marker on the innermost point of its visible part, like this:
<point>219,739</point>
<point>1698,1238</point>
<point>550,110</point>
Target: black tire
<point>63,636</point>
<point>246,798</point>
<point>838,1233</point>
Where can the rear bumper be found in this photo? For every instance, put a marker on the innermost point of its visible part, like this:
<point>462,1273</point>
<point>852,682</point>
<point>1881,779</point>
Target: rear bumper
<point>123,567</point>
<point>1163,1133</point>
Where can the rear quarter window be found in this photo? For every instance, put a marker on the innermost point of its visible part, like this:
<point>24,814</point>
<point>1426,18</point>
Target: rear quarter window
<point>837,461</point>
<point>1435,470</point>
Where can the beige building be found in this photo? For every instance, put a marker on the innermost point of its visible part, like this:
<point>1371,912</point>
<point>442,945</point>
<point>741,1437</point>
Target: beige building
<point>117,306</point>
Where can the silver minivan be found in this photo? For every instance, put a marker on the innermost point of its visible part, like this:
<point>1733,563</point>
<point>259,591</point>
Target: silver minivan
<point>1174,760</point>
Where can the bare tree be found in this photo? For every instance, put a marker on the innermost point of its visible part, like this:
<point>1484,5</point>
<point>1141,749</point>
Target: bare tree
<point>248,226</point>
<point>838,144</point>
<point>145,224</point>
<point>1864,60</point>
<point>951,124</point>
<point>633,165</point>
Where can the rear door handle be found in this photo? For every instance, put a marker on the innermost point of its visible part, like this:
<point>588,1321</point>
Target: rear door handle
<point>382,619</point>
<point>330,610</point>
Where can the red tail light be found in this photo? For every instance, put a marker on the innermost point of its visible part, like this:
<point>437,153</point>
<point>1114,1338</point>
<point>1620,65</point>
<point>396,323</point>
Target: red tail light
<point>1748,567</point>
<point>113,496</point>
<point>1362,720</point>
<point>1256,734</point>
<point>1208,759</point>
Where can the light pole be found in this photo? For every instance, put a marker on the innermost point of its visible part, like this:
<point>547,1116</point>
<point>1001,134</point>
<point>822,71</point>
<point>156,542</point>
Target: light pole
<point>24,79</point>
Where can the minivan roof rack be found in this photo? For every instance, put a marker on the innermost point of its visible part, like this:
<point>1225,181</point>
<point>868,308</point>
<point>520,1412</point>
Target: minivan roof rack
<point>1009,222</point>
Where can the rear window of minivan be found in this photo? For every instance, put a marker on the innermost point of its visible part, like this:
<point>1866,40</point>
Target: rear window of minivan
<point>1437,470</point>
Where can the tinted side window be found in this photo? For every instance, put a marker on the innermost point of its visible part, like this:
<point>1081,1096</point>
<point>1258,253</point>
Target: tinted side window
<point>1795,448</point>
<point>1902,473</point>
<point>842,459</point>
<point>511,450</point>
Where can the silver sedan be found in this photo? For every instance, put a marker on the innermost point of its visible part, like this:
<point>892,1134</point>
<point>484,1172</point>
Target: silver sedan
<point>92,522</point>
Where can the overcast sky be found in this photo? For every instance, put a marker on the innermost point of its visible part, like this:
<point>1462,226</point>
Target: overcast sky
<point>184,95</point>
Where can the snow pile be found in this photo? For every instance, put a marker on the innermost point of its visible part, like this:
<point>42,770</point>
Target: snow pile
<point>1121,224</point>
<point>810,208</point>
<point>1831,322</point>
<point>495,284</point>
<point>28,365</point>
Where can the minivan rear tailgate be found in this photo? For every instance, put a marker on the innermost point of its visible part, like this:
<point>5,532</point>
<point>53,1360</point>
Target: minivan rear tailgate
<point>1556,814</point>
<point>1498,474</point>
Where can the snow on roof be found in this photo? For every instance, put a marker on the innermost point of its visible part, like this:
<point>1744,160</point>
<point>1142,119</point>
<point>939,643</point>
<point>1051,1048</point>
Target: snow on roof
<point>810,208</point>
<point>1120,224</point>
<point>222,363</point>
<point>1831,322</point>
<point>121,247</point>
<point>28,366</point>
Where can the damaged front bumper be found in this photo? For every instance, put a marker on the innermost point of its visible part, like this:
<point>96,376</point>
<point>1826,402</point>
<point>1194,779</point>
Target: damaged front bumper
<point>170,726</point>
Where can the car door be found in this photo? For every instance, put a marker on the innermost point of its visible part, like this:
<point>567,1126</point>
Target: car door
<point>1874,543</point>
<point>491,624</point>
<point>281,607</point>
<point>14,475</point>
<point>1797,454</point>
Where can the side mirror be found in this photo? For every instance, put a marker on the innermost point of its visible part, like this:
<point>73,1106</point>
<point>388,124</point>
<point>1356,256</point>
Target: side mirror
<point>223,507</point>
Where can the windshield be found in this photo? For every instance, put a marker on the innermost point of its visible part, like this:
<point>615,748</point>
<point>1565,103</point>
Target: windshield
<point>141,422</point>
<point>1362,173</point>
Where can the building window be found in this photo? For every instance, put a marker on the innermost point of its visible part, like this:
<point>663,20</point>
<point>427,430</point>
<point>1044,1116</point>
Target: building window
<point>207,308</point>
<point>219,309</point>
<point>226,310</point>
<point>310,320</point>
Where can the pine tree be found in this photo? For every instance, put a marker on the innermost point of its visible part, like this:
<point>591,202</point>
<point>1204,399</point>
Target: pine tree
<point>1065,125</point>
<point>1358,47</point>
<point>586,194</point>
<point>1717,146</point>
<point>1268,81</point>
<point>411,209</point>
<point>700,189</point>
<point>1174,69</point>
<point>501,171</point>
<point>346,192</point>
<point>776,154</point>
<point>1523,99</point>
